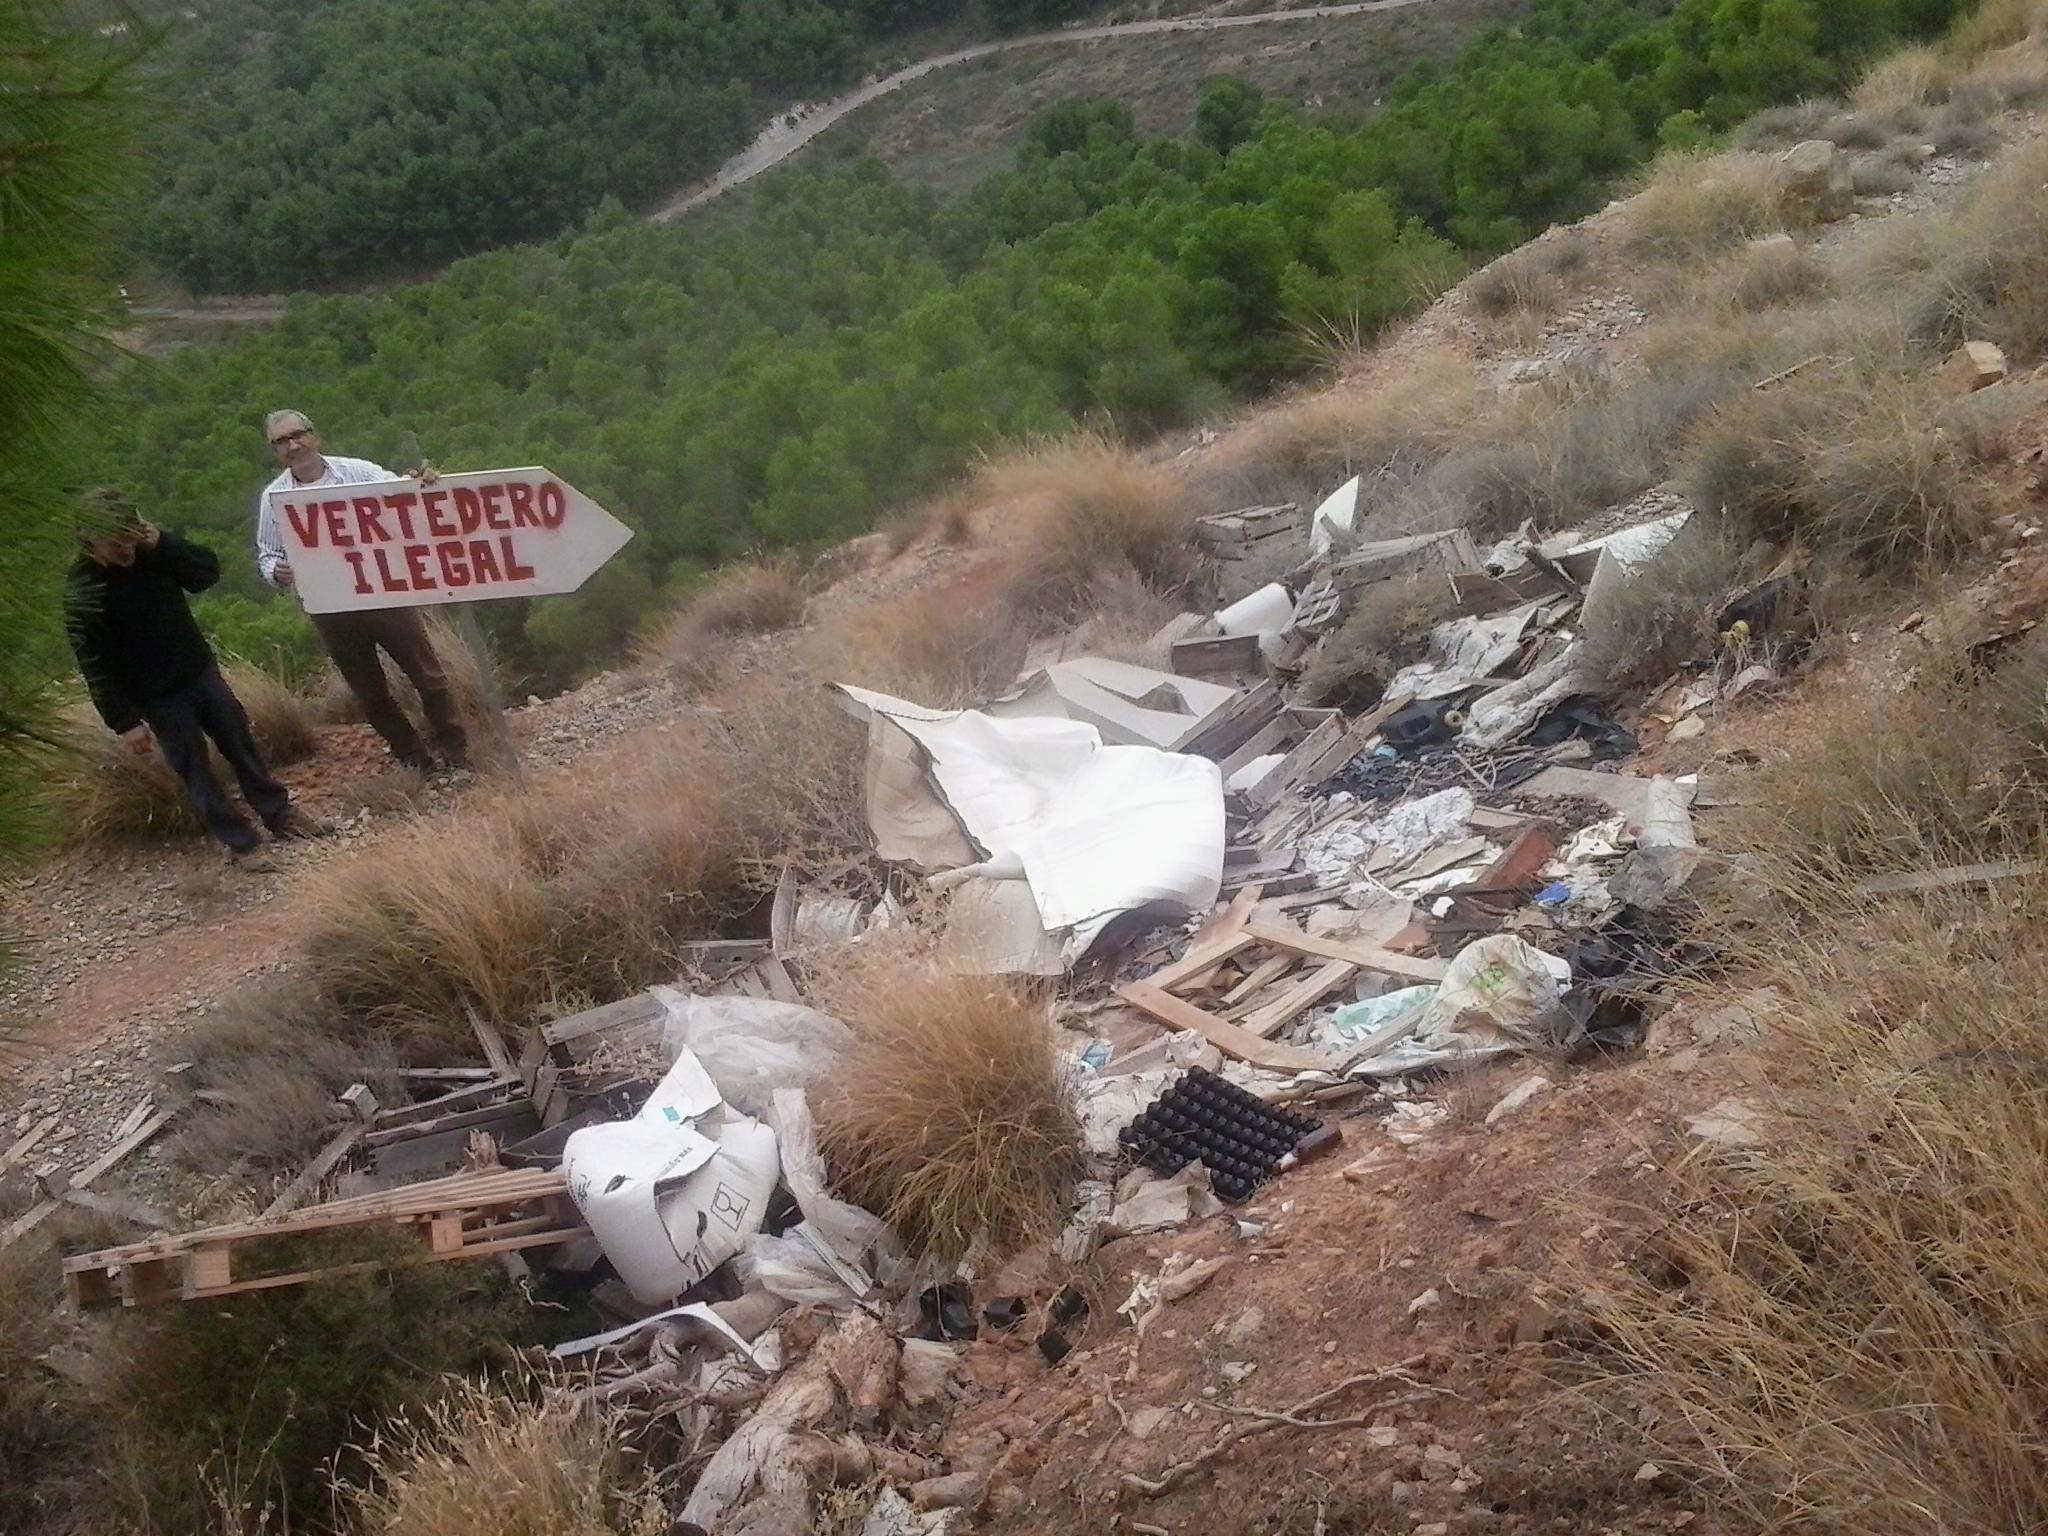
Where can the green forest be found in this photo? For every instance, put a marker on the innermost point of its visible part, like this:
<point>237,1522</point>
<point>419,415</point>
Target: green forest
<point>783,372</point>
<point>313,145</point>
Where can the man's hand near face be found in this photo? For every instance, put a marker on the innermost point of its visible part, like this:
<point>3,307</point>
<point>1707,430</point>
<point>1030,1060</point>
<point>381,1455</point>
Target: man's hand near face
<point>136,739</point>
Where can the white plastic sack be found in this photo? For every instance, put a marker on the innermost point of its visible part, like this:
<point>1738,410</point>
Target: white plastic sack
<point>675,1191</point>
<point>1499,996</point>
<point>750,1046</point>
<point>799,1272</point>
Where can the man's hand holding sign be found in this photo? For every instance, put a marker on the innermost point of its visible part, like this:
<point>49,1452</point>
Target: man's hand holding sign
<point>407,543</point>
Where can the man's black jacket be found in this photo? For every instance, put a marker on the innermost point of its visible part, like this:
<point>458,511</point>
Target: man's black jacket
<point>132,629</point>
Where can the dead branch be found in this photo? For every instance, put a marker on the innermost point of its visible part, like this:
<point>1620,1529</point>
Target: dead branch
<point>1257,1421</point>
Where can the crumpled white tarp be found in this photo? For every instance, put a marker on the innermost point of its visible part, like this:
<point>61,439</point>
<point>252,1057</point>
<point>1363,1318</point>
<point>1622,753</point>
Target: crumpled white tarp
<point>675,1191</point>
<point>1093,830</point>
<point>751,1046</point>
<point>1463,653</point>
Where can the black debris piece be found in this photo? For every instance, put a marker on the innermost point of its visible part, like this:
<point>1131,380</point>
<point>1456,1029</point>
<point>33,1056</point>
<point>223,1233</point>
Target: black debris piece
<point>1203,1118</point>
<point>1054,1346</point>
<point>1586,719</point>
<point>1004,1313</point>
<point>1490,776</point>
<point>1068,1306</point>
<point>946,1312</point>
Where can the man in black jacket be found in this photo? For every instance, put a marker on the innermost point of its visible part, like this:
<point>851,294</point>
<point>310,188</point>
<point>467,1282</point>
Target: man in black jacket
<point>152,674</point>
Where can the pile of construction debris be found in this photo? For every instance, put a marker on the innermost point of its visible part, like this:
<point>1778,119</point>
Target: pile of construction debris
<point>1269,917</point>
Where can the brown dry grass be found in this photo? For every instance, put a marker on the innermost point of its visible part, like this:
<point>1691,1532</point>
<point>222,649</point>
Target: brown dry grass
<point>752,598</point>
<point>479,1460</point>
<point>1908,77</point>
<point>574,887</point>
<point>280,1064</point>
<point>44,1434</point>
<point>1853,1341</point>
<point>1085,506</point>
<point>1694,206</point>
<point>1304,446</point>
<point>1389,623</point>
<point>951,1117</point>
<point>1994,24</point>
<point>105,793</point>
<point>957,643</point>
<point>1990,280</point>
<point>1867,460</point>
<point>334,704</point>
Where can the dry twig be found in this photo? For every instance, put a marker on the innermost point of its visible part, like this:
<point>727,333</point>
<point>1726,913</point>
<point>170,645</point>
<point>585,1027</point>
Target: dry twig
<point>1259,1420</point>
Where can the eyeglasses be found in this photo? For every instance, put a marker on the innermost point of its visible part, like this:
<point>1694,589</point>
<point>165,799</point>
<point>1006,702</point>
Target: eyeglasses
<point>288,438</point>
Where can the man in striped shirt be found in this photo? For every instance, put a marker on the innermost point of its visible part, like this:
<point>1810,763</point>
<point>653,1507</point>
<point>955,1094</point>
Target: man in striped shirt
<point>353,639</point>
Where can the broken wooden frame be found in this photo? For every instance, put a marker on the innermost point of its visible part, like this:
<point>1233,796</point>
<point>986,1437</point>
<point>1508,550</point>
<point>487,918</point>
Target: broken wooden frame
<point>1269,995</point>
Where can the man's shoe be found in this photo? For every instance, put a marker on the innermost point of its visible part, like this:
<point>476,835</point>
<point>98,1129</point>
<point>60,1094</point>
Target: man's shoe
<point>252,861</point>
<point>298,823</point>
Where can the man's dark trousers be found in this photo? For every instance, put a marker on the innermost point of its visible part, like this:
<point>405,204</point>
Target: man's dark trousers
<point>181,723</point>
<point>353,640</point>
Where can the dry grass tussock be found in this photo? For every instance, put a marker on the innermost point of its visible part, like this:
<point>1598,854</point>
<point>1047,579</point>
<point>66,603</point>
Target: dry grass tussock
<point>276,1065</point>
<point>1990,279</point>
<point>1897,773</point>
<point>480,1460</point>
<point>952,1117</point>
<point>43,1433</point>
<point>1085,506</point>
<point>1865,458</point>
<point>1301,448</point>
<point>1908,77</point>
<point>105,793</point>
<point>958,643</point>
<point>577,887</point>
<point>1389,624</point>
<point>1694,206</point>
<point>1519,292</point>
<point>1846,1334</point>
<point>1996,24</point>
<point>751,598</point>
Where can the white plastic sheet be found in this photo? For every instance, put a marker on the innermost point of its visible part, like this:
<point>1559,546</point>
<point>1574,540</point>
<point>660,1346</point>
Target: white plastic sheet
<point>750,1046</point>
<point>1499,996</point>
<point>1095,830</point>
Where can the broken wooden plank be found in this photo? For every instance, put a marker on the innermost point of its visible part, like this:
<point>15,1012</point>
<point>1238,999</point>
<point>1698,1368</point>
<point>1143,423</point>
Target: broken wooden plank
<point>27,1142</point>
<point>1949,879</point>
<point>1177,1013</point>
<point>37,1214</point>
<point>1517,870</point>
<point>460,1120</point>
<point>715,959</point>
<point>1270,969</point>
<point>1209,655</point>
<point>309,1178</point>
<point>1203,956</point>
<point>119,1207</point>
<point>1304,994</point>
<point>1293,769</point>
<point>133,1118</point>
<point>491,1042</point>
<point>1219,734</point>
<point>625,1020</point>
<point>1366,957</point>
<point>473,1097</point>
<point>360,1103</point>
<point>1355,738</point>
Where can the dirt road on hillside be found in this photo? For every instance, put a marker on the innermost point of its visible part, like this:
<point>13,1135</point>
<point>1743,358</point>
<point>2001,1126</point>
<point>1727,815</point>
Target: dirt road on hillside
<point>791,131</point>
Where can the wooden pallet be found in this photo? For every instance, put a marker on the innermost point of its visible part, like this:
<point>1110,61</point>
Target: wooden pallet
<point>467,1215</point>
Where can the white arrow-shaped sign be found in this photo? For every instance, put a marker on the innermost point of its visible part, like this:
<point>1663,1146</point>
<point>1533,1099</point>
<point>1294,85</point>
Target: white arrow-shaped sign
<point>463,539</point>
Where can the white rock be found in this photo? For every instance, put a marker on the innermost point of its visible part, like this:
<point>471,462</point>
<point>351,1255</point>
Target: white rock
<point>1517,1096</point>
